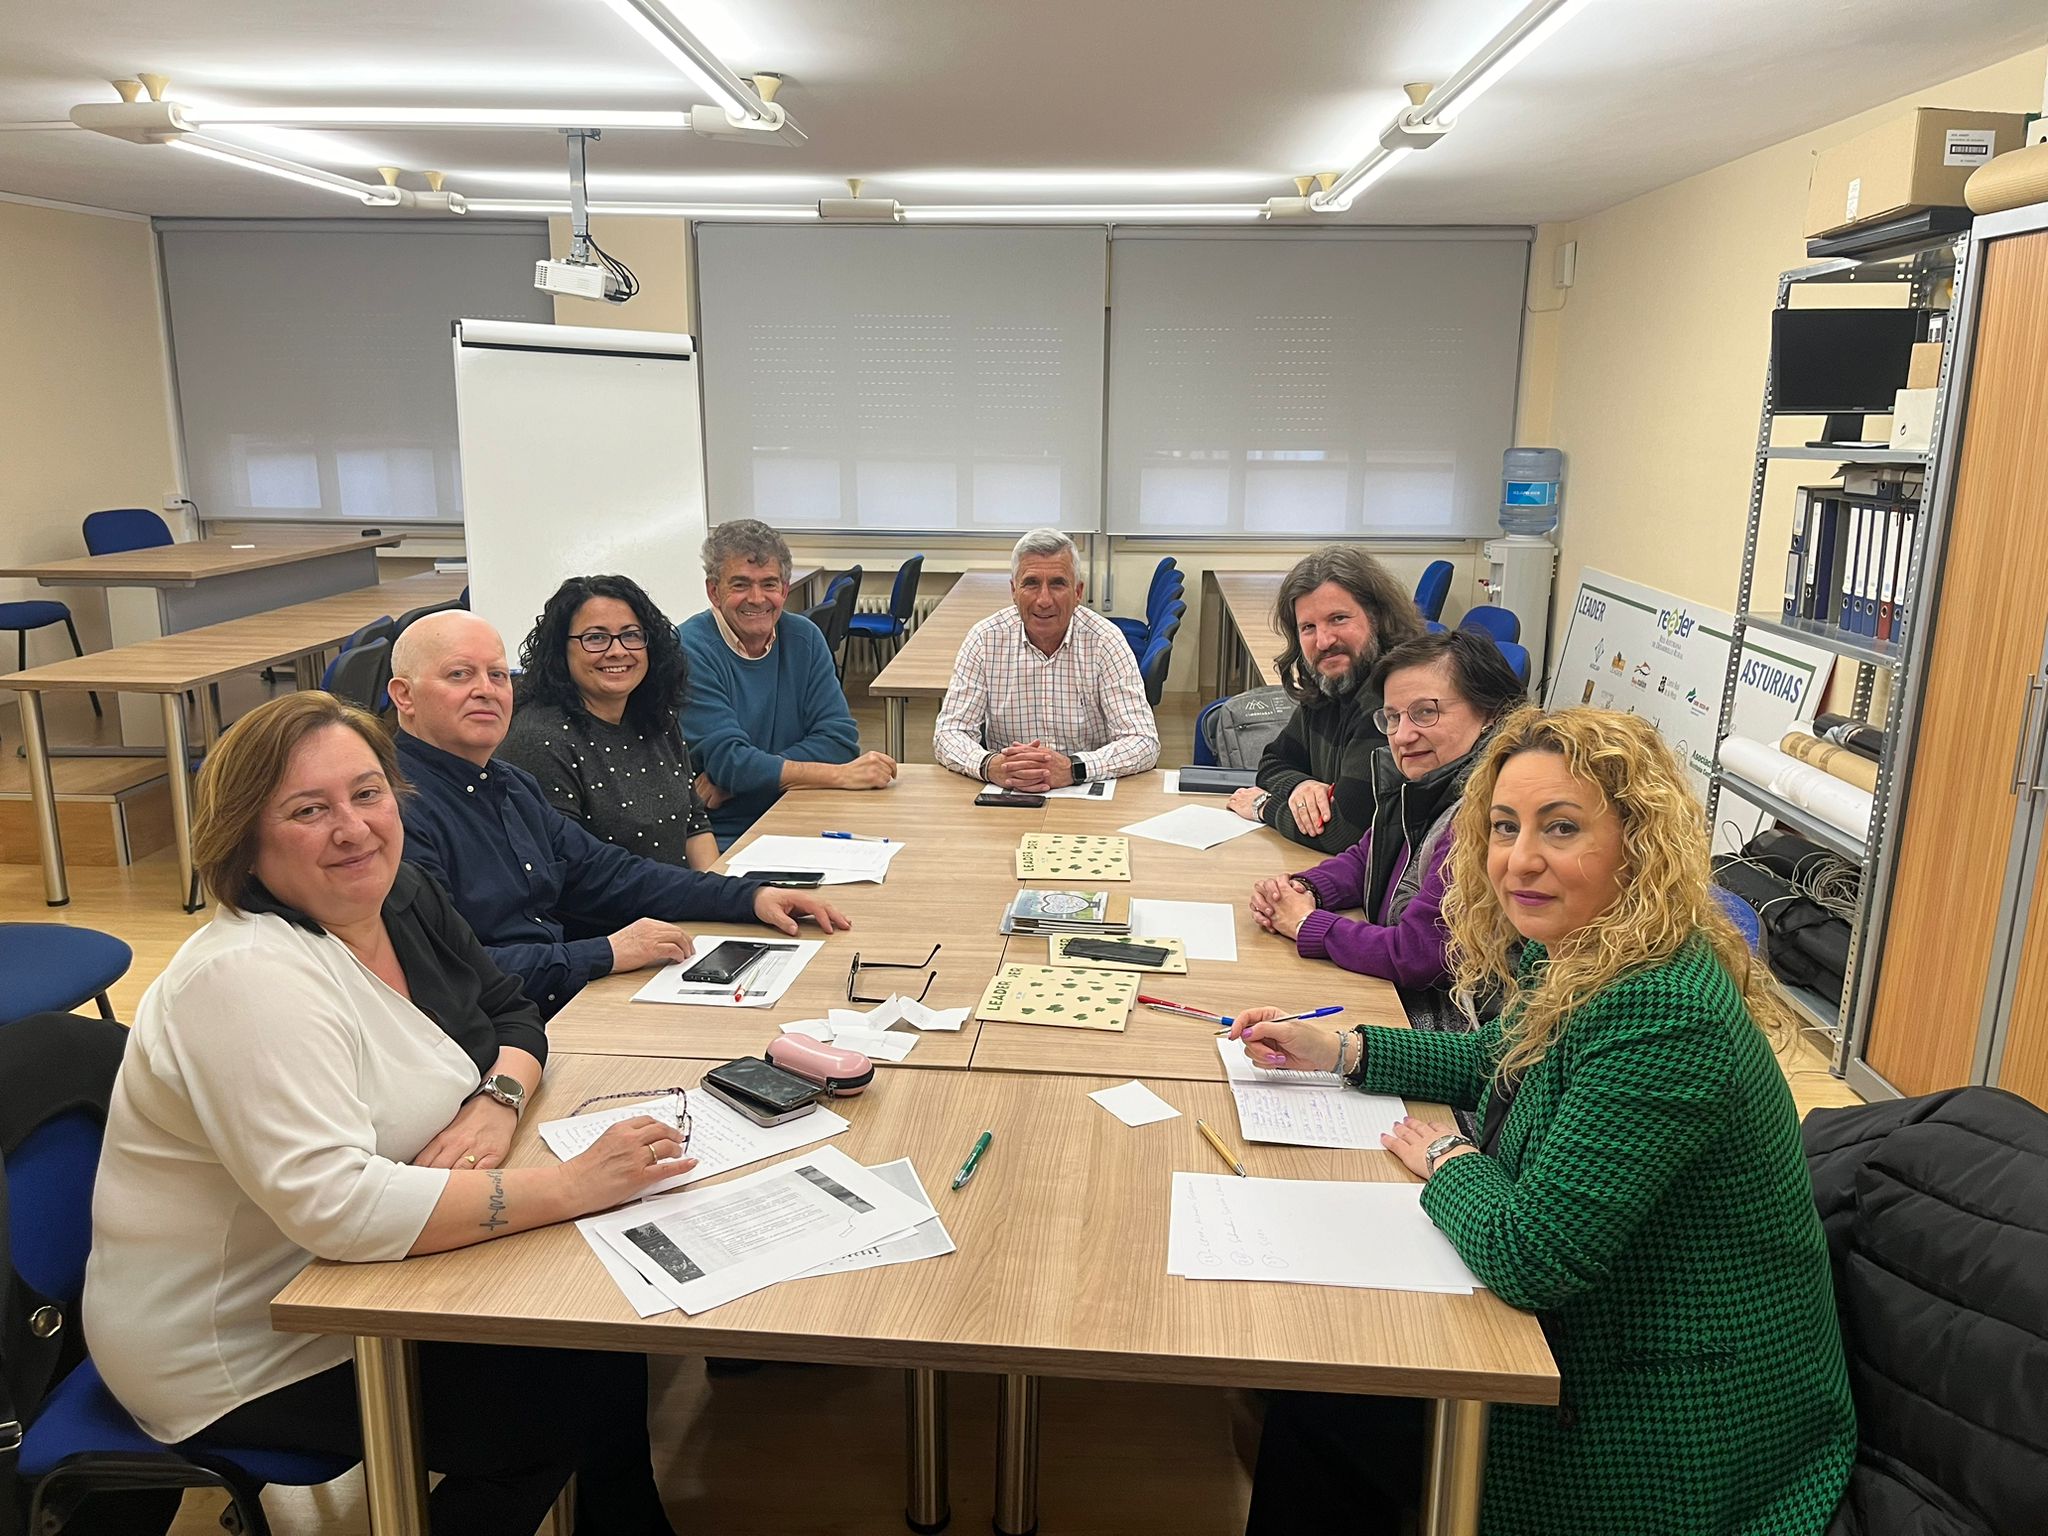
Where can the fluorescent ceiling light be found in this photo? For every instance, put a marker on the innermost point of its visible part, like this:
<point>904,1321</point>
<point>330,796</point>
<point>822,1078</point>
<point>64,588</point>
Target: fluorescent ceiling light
<point>437,117</point>
<point>1083,213</point>
<point>1072,181</point>
<point>1532,27</point>
<point>541,207</point>
<point>675,42</point>
<point>1354,181</point>
<point>270,165</point>
<point>646,185</point>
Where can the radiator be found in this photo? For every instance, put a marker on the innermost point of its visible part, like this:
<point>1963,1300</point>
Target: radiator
<point>919,610</point>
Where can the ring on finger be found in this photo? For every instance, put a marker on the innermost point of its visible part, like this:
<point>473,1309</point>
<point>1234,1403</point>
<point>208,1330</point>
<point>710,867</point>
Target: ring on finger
<point>470,1158</point>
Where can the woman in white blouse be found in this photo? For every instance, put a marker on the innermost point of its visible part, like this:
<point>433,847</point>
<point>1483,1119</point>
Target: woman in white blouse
<point>332,1066</point>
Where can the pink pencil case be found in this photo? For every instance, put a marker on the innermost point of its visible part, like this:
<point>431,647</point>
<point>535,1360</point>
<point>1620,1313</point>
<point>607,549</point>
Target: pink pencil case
<point>841,1073</point>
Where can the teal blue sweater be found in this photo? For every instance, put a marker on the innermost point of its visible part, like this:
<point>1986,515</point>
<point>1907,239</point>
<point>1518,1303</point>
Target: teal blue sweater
<point>743,719</point>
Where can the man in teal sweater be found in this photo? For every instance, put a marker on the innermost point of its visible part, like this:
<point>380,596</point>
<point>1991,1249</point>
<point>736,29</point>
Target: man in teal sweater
<point>764,711</point>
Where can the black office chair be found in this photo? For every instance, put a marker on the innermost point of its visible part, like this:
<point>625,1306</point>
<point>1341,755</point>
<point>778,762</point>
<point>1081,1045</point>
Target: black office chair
<point>360,675</point>
<point>413,615</point>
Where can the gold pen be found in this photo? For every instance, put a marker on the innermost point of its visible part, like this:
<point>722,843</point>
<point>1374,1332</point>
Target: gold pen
<point>1221,1150</point>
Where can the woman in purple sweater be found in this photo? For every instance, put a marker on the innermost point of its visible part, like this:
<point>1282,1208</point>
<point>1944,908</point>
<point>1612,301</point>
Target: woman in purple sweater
<point>1443,693</point>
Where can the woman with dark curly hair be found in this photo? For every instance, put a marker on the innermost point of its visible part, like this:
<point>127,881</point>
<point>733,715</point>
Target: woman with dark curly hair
<point>603,680</point>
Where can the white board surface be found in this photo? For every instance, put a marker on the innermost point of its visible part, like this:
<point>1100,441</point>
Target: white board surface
<point>1632,648</point>
<point>582,454</point>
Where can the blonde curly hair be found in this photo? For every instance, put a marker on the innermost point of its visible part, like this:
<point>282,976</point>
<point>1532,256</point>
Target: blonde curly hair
<point>1666,891</point>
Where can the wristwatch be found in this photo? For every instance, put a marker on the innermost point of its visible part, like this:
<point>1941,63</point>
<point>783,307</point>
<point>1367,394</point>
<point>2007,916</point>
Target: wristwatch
<point>1442,1145</point>
<point>508,1091</point>
<point>1259,805</point>
<point>1078,769</point>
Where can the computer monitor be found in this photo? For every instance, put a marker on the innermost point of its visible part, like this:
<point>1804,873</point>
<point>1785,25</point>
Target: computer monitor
<point>1841,363</point>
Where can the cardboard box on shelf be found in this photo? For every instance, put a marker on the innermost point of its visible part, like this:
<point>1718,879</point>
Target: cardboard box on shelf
<point>1917,160</point>
<point>1925,369</point>
<point>1913,420</point>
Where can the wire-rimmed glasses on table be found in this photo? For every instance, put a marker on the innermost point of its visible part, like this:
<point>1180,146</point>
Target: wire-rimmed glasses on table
<point>853,994</point>
<point>678,1094</point>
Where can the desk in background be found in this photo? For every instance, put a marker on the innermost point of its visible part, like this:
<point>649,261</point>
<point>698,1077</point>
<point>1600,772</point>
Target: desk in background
<point>1239,604</point>
<point>923,669</point>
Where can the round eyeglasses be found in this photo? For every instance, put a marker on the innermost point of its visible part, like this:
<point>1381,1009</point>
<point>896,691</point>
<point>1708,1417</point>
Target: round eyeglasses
<point>1422,714</point>
<point>598,641</point>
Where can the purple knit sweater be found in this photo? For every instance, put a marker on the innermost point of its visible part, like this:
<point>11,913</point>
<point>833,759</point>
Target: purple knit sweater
<point>1409,949</point>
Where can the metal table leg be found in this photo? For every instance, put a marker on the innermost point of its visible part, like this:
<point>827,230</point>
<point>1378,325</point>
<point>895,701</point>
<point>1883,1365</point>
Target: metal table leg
<point>895,706</point>
<point>394,1468</point>
<point>1017,1456</point>
<point>306,672</point>
<point>1457,1462</point>
<point>209,715</point>
<point>178,769</point>
<point>42,796</point>
<point>928,1508</point>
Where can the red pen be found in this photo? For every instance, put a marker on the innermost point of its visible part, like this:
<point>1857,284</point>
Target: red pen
<point>1165,1006</point>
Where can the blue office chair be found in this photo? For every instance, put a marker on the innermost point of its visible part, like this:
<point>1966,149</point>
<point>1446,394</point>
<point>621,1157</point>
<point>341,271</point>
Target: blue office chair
<point>1434,587</point>
<point>360,675</point>
<point>1742,914</point>
<point>81,1440</point>
<point>1517,657</point>
<point>53,967</point>
<point>1158,657</point>
<point>1204,755</point>
<point>40,613</point>
<point>382,628</point>
<point>124,528</point>
<point>1160,591</point>
<point>1500,623</point>
<point>895,624</point>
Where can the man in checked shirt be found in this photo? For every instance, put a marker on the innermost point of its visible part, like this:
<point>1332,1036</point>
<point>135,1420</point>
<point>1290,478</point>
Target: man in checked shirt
<point>1047,693</point>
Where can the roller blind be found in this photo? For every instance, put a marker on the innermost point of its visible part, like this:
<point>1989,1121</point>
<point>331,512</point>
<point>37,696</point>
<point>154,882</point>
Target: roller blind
<point>1310,388</point>
<point>315,372</point>
<point>922,379</point>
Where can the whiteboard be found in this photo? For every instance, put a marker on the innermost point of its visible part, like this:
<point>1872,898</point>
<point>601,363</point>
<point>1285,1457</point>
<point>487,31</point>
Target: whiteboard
<point>582,454</point>
<point>1632,648</point>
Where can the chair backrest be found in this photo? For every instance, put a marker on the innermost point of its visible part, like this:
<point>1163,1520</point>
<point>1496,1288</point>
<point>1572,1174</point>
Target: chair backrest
<point>1517,657</point>
<point>359,675</point>
<point>1500,623</point>
<point>1158,660</point>
<point>377,629</point>
<point>121,529</point>
<point>821,615</point>
<point>1205,753</point>
<point>1164,595</point>
<point>1742,914</point>
<point>49,1204</point>
<point>843,601</point>
<point>903,595</point>
<point>1163,575</point>
<point>1936,1214</point>
<point>413,615</point>
<point>1434,587</point>
<point>1241,727</point>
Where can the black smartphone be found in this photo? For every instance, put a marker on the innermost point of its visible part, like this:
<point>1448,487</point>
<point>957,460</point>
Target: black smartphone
<point>789,879</point>
<point>727,963</point>
<point>995,794</point>
<point>762,1091</point>
<point>1117,952</point>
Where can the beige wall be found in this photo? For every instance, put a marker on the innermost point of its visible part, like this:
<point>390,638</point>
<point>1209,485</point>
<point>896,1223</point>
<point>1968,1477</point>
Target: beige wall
<point>1659,353</point>
<point>658,251</point>
<point>85,415</point>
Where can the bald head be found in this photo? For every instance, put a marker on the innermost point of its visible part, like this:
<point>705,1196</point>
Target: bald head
<point>451,686</point>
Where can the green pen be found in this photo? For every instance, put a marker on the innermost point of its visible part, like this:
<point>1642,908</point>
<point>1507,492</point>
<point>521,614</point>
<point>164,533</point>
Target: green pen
<point>973,1159</point>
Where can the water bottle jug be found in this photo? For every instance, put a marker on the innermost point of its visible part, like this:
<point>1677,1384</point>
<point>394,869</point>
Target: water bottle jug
<point>1529,490</point>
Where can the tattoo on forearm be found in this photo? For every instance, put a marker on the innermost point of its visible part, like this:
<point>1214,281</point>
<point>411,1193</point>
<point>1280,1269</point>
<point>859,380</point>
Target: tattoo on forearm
<point>495,1218</point>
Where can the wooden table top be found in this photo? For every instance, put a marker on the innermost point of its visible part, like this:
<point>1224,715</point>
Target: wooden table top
<point>1250,596</point>
<point>195,657</point>
<point>189,563</point>
<point>1061,1268</point>
<point>923,669</point>
<point>949,886</point>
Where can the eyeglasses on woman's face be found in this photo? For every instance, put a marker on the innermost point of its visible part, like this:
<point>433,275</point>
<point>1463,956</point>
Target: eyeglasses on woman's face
<point>1422,714</point>
<point>598,641</point>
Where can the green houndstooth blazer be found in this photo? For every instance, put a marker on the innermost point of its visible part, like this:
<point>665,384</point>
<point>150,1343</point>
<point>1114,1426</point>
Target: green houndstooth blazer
<point>1648,1199</point>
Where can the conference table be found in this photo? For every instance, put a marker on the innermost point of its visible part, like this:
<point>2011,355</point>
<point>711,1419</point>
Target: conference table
<point>1060,1262</point>
<point>167,589</point>
<point>192,661</point>
<point>923,669</point>
<point>1239,604</point>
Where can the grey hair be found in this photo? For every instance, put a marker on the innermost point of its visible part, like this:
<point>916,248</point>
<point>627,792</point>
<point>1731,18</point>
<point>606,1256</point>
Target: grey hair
<point>1044,541</point>
<point>745,540</point>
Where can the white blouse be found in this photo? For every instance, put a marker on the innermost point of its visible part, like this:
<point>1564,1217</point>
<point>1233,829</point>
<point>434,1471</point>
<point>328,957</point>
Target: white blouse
<point>272,1094</point>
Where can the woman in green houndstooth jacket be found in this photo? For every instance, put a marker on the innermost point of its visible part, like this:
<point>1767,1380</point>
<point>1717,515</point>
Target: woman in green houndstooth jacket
<point>1638,1181</point>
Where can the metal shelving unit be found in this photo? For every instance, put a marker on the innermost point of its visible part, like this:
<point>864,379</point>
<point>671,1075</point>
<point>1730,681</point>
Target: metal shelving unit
<point>1927,268</point>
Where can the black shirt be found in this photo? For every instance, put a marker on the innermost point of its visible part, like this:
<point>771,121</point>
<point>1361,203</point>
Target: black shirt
<point>625,786</point>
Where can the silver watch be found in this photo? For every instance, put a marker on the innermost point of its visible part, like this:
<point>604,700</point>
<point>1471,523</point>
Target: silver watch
<point>1442,1145</point>
<point>508,1091</point>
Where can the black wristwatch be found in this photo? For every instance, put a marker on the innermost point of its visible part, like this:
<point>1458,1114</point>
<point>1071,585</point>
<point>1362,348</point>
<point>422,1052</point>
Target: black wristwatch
<point>507,1090</point>
<point>1078,769</point>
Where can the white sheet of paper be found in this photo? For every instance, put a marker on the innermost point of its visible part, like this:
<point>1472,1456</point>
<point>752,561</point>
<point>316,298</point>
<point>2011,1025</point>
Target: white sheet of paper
<point>1239,1068</point>
<point>918,1016</point>
<point>875,1044</point>
<point>704,1247</point>
<point>1315,1117</point>
<point>1309,1232</point>
<point>1208,929</point>
<point>721,1138</point>
<point>842,860</point>
<point>1094,789</point>
<point>926,1240</point>
<point>642,1297</point>
<point>1134,1103</point>
<point>763,985</point>
<point>817,1029</point>
<point>1192,826</point>
<point>1173,781</point>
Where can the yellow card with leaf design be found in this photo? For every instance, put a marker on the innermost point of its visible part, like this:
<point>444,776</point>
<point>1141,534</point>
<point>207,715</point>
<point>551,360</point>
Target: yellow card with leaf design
<point>1059,996</point>
<point>1072,855</point>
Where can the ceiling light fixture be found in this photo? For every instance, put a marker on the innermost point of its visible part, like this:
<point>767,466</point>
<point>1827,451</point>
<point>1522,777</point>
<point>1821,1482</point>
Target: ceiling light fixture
<point>304,175</point>
<point>1433,109</point>
<point>541,207</point>
<point>658,26</point>
<point>1083,213</point>
<point>433,117</point>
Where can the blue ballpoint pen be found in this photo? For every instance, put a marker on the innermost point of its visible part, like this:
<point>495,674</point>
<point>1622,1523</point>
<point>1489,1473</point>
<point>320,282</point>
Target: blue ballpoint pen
<point>855,837</point>
<point>1288,1018</point>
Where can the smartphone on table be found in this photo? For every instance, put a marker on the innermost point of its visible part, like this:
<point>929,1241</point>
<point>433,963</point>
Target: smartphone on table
<point>727,962</point>
<point>762,1091</point>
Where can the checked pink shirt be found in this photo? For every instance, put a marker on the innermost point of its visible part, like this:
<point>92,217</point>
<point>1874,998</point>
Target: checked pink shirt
<point>1086,699</point>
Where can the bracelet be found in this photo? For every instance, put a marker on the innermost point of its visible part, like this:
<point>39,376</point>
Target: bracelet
<point>1356,1076</point>
<point>1339,1069</point>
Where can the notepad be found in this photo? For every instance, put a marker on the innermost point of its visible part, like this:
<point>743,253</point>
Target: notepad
<point>1071,855</point>
<point>1309,1232</point>
<point>1063,997</point>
